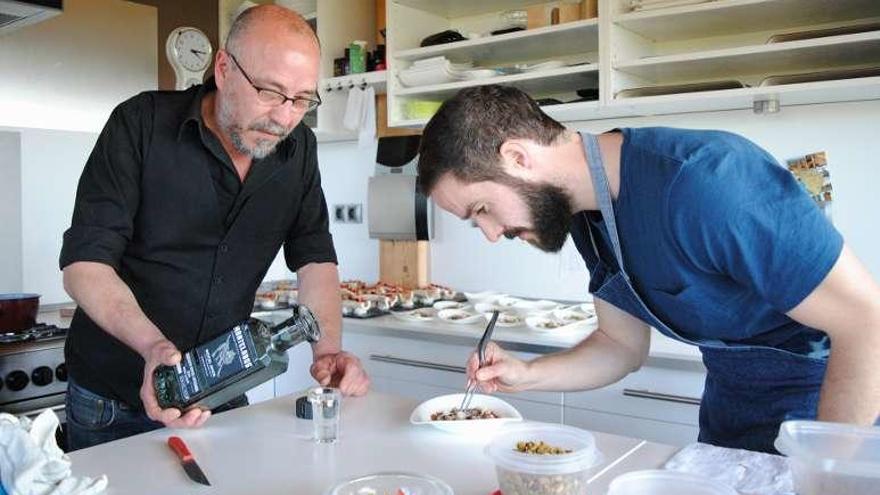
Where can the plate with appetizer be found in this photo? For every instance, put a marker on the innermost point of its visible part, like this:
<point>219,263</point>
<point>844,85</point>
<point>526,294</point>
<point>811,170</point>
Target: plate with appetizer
<point>485,413</point>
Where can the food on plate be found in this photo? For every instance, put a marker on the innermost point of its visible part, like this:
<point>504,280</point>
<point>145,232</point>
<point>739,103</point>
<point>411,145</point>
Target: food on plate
<point>521,483</point>
<point>456,414</point>
<point>509,318</point>
<point>539,447</point>
<point>457,316</point>
<point>549,324</point>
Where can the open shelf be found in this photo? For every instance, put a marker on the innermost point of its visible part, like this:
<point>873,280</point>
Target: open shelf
<point>539,82</point>
<point>571,38</point>
<point>724,17</point>
<point>565,112</point>
<point>774,58</point>
<point>463,8</point>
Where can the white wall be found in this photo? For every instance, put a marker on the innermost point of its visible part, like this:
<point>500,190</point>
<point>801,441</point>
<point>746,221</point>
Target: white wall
<point>461,257</point>
<point>10,212</point>
<point>60,80</point>
<point>69,71</point>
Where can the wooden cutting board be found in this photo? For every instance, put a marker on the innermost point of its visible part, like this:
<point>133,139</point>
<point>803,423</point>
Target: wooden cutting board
<point>404,263</point>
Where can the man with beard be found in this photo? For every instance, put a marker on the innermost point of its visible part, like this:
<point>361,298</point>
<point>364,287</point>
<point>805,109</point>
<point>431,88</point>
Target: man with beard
<point>182,206</point>
<point>699,234</point>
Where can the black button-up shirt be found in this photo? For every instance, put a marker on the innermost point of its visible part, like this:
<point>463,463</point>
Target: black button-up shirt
<point>160,201</point>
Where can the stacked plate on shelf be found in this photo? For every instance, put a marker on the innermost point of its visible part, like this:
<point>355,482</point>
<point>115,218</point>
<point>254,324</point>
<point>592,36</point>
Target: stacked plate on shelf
<point>435,70</point>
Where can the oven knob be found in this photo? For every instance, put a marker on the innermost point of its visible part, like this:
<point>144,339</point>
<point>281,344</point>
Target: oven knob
<point>42,376</point>
<point>61,372</point>
<point>17,380</point>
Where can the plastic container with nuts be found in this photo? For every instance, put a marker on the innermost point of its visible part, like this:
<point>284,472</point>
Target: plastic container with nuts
<point>543,459</point>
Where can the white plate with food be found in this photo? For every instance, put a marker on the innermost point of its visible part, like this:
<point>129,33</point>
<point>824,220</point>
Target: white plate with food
<point>441,305</point>
<point>421,314</point>
<point>571,315</point>
<point>551,324</point>
<point>506,318</point>
<point>459,316</point>
<point>486,413</point>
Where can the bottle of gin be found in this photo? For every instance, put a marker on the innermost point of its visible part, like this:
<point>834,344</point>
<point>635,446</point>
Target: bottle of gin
<point>229,365</point>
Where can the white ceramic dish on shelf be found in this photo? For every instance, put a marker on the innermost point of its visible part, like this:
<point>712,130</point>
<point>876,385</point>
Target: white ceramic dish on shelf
<point>506,413</point>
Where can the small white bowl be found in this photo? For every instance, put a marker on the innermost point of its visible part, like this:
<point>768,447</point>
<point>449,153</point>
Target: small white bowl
<point>549,324</point>
<point>421,415</point>
<point>459,316</point>
<point>439,305</point>
<point>506,319</point>
<point>485,307</point>
<point>421,314</point>
<point>574,315</point>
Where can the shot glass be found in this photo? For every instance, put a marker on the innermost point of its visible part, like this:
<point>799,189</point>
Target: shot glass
<point>326,407</point>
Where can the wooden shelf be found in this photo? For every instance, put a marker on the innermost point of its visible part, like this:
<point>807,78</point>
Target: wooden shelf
<point>463,8</point>
<point>774,58</point>
<point>541,82</point>
<point>723,17</point>
<point>571,38</point>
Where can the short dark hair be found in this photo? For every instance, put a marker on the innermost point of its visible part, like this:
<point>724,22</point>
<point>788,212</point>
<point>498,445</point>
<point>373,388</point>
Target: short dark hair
<point>465,135</point>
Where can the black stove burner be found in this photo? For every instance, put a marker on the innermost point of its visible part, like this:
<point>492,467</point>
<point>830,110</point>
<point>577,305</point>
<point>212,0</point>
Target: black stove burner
<point>40,331</point>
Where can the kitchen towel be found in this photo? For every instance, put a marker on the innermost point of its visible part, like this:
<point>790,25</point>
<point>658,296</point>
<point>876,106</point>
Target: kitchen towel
<point>360,114</point>
<point>31,463</point>
<point>750,473</point>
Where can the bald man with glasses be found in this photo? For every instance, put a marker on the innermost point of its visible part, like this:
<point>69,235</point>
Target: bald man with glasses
<point>182,206</point>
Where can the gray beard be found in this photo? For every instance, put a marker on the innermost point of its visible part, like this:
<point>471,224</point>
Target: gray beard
<point>263,147</point>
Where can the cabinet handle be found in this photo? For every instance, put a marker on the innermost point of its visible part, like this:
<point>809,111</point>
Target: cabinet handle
<point>645,394</point>
<point>417,364</point>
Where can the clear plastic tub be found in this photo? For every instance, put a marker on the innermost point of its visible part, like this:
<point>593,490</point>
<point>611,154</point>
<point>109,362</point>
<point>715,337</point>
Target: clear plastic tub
<point>831,458</point>
<point>544,474</point>
<point>660,482</point>
<point>392,484</point>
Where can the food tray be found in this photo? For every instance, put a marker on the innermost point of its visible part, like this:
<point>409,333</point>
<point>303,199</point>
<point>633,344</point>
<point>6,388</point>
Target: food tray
<point>671,89</point>
<point>824,75</point>
<point>824,33</point>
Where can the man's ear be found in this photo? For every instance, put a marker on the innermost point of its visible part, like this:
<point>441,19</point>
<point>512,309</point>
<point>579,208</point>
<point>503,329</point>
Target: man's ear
<point>515,158</point>
<point>221,68</point>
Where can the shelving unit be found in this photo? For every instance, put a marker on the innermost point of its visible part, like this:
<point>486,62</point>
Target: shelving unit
<point>575,44</point>
<point>620,50</point>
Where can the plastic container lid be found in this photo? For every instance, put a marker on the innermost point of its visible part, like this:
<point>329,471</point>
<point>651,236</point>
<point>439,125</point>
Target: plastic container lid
<point>832,447</point>
<point>660,482</point>
<point>381,483</point>
<point>584,455</point>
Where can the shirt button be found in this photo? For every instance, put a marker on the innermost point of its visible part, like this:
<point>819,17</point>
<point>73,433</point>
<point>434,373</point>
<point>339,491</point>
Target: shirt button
<point>224,248</point>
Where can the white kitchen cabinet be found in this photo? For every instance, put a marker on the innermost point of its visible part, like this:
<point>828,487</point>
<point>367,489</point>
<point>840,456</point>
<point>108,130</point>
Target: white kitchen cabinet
<point>656,403</point>
<point>622,52</point>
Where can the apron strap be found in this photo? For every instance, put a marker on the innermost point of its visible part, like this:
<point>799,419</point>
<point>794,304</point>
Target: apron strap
<point>603,196</point>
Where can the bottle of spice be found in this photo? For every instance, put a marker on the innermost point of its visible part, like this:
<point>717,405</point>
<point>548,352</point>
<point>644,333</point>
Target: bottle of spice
<point>357,57</point>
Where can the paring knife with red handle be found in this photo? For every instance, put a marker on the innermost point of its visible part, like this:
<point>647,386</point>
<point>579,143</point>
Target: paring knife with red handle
<point>189,462</point>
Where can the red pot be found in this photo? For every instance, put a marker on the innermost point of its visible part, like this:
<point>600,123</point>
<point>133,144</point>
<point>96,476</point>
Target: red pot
<point>18,312</point>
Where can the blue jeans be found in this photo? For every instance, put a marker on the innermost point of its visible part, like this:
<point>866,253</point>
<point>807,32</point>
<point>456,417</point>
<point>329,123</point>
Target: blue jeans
<point>93,419</point>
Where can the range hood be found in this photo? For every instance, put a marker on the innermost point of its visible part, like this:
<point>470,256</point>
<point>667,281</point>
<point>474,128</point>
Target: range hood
<point>17,13</point>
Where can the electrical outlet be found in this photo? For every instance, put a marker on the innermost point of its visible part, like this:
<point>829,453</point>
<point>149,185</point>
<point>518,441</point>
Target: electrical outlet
<point>354,213</point>
<point>339,213</point>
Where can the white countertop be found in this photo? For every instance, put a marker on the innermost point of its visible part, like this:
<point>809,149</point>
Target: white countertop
<point>265,449</point>
<point>522,336</point>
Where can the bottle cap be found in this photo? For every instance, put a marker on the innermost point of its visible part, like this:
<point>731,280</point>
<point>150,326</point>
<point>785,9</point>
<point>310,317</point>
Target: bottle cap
<point>303,408</point>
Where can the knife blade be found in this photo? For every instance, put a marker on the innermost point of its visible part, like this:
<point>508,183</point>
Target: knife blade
<point>189,462</point>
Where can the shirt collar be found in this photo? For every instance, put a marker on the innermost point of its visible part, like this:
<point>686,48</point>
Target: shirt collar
<point>194,111</point>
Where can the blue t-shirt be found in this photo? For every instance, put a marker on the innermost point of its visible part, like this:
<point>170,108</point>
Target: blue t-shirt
<point>718,239</point>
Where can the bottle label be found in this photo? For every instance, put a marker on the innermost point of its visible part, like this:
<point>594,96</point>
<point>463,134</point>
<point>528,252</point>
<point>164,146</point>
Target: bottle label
<point>214,361</point>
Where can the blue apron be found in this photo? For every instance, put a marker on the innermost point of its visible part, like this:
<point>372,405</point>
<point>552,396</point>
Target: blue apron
<point>749,389</point>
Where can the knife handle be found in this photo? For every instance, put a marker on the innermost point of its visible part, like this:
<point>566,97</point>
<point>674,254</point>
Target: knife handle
<point>179,448</point>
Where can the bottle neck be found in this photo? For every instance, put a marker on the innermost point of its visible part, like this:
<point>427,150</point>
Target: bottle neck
<point>299,328</point>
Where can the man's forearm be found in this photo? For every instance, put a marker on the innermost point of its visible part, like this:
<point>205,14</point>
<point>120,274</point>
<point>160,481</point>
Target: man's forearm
<point>596,362</point>
<point>851,390</point>
<point>99,291</point>
<point>319,291</point>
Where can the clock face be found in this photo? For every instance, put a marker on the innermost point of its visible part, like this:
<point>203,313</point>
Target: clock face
<point>192,49</point>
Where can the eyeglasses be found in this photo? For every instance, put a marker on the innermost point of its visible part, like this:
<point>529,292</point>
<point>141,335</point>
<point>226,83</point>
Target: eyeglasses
<point>274,98</point>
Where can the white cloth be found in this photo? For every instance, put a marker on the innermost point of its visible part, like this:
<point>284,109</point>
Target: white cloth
<point>360,114</point>
<point>750,473</point>
<point>31,463</point>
